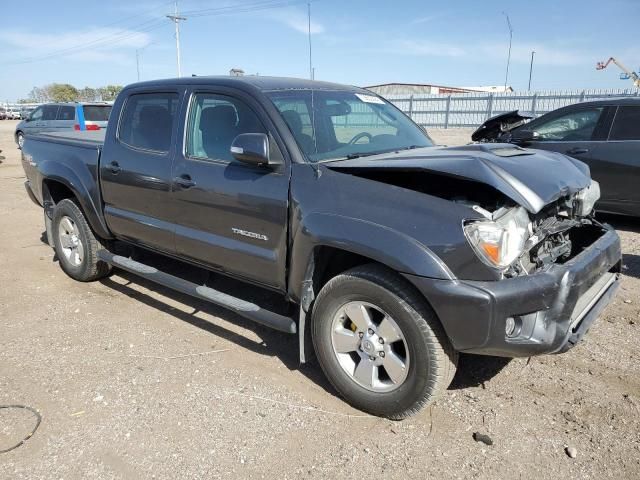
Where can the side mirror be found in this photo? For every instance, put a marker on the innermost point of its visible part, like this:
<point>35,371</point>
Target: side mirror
<point>524,136</point>
<point>251,148</point>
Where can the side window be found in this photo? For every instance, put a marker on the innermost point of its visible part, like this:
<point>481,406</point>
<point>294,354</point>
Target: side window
<point>571,127</point>
<point>214,121</point>
<point>66,112</point>
<point>49,112</point>
<point>626,125</point>
<point>36,114</point>
<point>147,121</point>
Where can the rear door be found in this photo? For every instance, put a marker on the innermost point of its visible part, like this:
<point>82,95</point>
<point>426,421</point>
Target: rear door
<point>617,162</point>
<point>229,215</point>
<point>135,169</point>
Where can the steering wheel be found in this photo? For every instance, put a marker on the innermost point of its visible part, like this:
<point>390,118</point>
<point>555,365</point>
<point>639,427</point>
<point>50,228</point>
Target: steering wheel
<point>359,136</point>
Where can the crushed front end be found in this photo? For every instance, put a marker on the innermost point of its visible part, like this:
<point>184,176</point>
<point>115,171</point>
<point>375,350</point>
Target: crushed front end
<point>559,269</point>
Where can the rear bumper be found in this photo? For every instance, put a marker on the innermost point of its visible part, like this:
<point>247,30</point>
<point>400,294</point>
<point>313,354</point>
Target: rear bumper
<point>552,310</point>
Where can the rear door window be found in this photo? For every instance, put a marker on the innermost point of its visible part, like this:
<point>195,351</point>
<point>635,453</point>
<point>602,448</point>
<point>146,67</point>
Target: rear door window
<point>66,112</point>
<point>147,121</point>
<point>626,125</point>
<point>49,112</point>
<point>97,113</point>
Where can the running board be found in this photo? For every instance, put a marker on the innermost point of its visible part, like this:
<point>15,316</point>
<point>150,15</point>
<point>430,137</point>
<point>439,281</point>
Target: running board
<point>241,307</point>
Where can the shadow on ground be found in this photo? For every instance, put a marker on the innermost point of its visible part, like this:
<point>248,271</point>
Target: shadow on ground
<point>475,370</point>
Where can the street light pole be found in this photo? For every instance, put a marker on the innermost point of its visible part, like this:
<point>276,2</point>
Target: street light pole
<point>309,32</point>
<point>138,63</point>
<point>175,18</point>
<point>533,52</point>
<point>506,77</point>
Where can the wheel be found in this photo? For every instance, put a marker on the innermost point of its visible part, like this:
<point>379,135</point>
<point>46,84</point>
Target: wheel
<point>20,139</point>
<point>75,244</point>
<point>380,344</point>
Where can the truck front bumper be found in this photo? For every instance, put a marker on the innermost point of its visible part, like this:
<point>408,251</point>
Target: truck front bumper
<point>546,312</point>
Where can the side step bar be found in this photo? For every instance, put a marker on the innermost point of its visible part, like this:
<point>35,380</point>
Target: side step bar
<point>241,307</point>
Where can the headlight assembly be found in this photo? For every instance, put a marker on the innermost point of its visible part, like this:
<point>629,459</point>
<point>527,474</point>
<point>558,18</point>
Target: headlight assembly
<point>499,242</point>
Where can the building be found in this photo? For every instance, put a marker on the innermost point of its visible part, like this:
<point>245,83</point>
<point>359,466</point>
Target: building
<point>388,89</point>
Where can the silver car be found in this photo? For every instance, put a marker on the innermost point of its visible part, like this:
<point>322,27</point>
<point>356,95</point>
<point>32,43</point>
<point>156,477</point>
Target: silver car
<point>56,117</point>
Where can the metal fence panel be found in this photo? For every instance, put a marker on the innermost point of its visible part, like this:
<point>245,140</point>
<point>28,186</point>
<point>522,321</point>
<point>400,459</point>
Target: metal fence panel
<point>472,109</point>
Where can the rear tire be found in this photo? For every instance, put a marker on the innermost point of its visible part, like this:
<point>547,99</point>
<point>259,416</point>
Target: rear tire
<point>398,359</point>
<point>75,244</point>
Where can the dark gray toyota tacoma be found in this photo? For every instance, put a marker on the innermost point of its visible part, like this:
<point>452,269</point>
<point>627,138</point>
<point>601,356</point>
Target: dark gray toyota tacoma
<point>392,255</point>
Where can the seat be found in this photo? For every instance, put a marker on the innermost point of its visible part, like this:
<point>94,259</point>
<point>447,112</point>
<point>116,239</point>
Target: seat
<point>154,128</point>
<point>295,125</point>
<point>218,127</point>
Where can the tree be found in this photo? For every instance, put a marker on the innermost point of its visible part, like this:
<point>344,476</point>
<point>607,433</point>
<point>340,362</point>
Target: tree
<point>110,92</point>
<point>88,94</point>
<point>38,95</point>
<point>62,92</point>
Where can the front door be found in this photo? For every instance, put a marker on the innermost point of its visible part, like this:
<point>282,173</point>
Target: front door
<point>229,215</point>
<point>570,133</point>
<point>135,170</point>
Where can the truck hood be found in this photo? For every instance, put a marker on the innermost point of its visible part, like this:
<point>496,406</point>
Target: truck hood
<point>496,126</point>
<point>531,178</point>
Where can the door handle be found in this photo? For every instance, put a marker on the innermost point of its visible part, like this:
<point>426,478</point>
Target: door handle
<point>115,167</point>
<point>577,151</point>
<point>184,181</point>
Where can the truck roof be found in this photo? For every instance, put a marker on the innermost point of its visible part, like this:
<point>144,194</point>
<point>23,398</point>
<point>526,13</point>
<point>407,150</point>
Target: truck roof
<point>255,82</point>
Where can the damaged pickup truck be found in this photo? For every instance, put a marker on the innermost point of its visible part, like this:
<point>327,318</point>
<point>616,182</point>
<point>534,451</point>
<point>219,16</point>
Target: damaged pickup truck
<point>390,255</point>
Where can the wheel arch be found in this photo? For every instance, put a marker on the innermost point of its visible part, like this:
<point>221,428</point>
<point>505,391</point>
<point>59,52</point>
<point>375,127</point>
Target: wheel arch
<point>56,187</point>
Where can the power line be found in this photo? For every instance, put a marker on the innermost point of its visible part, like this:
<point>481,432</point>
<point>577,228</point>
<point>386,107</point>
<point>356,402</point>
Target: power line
<point>114,37</point>
<point>248,7</point>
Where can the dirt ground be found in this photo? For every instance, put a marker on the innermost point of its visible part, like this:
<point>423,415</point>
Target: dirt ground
<point>134,381</point>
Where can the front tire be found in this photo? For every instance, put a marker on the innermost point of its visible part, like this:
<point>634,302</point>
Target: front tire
<point>20,140</point>
<point>380,344</point>
<point>75,244</point>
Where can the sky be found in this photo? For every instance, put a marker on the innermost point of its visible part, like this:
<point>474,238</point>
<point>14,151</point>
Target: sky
<point>454,43</point>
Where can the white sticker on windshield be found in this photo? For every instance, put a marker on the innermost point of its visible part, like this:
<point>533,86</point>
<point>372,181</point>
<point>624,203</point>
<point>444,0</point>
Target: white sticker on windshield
<point>370,98</point>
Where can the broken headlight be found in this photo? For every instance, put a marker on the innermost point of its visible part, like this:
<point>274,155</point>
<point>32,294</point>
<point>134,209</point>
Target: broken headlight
<point>499,241</point>
<point>587,198</point>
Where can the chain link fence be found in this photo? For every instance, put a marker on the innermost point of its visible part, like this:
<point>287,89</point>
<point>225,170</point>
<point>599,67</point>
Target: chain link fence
<point>473,109</point>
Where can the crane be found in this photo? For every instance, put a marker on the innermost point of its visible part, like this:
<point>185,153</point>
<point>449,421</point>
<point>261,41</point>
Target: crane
<point>635,78</point>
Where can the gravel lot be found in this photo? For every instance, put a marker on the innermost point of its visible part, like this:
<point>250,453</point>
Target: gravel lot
<point>134,381</point>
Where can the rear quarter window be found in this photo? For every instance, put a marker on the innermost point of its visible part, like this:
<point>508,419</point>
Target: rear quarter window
<point>96,113</point>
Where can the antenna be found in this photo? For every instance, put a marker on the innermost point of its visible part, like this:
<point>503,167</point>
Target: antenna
<point>506,77</point>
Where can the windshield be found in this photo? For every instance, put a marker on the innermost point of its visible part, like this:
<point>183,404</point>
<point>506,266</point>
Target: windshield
<point>331,125</point>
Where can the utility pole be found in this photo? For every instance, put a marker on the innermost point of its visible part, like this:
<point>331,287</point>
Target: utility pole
<point>506,77</point>
<point>533,52</point>
<point>309,31</point>
<point>175,18</point>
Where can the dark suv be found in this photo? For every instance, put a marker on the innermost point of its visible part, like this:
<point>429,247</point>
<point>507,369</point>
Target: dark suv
<point>603,134</point>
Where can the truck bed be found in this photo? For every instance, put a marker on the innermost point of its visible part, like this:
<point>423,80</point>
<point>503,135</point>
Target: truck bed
<point>90,138</point>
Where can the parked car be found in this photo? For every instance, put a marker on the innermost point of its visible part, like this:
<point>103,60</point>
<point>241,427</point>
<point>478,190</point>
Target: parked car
<point>55,117</point>
<point>3,113</point>
<point>12,113</point>
<point>603,134</point>
<point>390,254</point>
